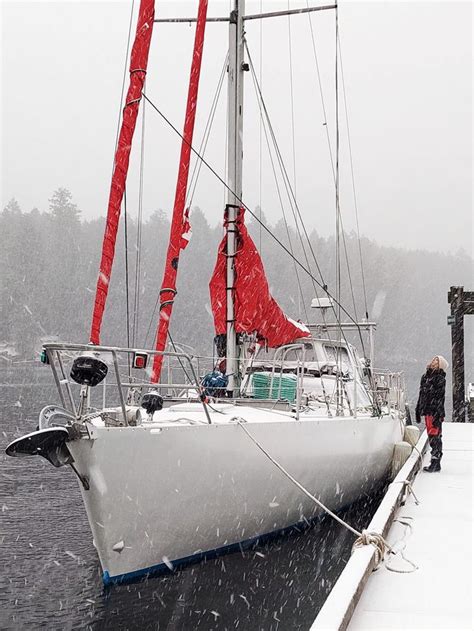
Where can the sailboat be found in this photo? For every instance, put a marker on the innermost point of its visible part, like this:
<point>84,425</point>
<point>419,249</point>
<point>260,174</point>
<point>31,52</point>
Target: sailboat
<point>174,467</point>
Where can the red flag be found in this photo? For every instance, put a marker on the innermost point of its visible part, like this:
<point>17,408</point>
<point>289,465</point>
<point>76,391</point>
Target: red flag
<point>180,229</point>
<point>255,310</point>
<point>138,67</point>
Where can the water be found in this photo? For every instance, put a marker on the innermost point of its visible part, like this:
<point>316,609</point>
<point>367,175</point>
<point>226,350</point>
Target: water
<point>51,576</point>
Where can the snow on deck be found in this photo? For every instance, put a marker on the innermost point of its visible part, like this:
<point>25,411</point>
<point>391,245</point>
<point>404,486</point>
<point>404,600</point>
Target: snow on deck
<point>439,595</point>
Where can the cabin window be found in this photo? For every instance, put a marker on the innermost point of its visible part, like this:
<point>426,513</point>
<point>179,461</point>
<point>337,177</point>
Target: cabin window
<point>338,356</point>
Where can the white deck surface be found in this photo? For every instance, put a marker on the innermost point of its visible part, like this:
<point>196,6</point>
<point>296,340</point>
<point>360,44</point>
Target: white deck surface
<point>439,595</point>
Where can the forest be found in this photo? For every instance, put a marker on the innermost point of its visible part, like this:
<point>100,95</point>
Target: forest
<point>49,262</point>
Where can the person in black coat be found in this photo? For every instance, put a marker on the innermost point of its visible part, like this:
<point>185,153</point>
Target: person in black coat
<point>431,406</point>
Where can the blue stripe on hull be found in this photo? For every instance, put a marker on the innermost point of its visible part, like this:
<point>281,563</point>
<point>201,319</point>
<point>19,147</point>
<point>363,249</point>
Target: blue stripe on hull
<point>162,568</point>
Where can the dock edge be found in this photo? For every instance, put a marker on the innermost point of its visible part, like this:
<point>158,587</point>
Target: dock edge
<point>339,606</point>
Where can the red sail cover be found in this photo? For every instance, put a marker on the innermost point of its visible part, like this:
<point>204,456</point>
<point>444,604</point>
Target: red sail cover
<point>180,229</point>
<point>255,310</point>
<point>138,66</point>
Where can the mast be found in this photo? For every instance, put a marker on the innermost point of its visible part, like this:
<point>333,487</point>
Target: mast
<point>234,178</point>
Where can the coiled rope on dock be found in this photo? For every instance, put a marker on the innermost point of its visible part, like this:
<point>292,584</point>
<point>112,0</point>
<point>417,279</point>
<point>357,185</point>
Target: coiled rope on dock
<point>404,521</point>
<point>375,539</point>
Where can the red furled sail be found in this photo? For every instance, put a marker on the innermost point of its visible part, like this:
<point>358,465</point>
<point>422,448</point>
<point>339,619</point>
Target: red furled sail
<point>255,310</point>
<point>180,229</point>
<point>138,67</point>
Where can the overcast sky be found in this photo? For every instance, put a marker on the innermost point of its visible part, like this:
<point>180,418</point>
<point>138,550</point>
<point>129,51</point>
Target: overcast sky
<point>408,80</point>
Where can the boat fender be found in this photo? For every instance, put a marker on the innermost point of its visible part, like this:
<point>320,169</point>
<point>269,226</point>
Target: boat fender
<point>411,435</point>
<point>401,452</point>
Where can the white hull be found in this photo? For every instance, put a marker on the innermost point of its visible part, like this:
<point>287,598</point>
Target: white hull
<point>164,492</point>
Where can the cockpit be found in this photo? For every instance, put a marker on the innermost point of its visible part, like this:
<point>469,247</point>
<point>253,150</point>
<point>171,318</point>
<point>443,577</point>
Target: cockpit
<point>310,372</point>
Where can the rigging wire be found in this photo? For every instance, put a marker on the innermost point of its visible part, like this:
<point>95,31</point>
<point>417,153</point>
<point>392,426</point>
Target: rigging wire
<point>206,134</point>
<point>151,318</point>
<point>180,361</point>
<point>197,169</point>
<point>318,73</point>
<point>119,119</point>
<point>273,236</point>
<point>325,124</point>
<point>290,193</point>
<point>338,227</point>
<point>301,295</point>
<point>124,77</point>
<point>290,67</point>
<point>287,229</point>
<point>138,255</point>
<point>290,64</point>
<point>127,297</point>
<point>226,151</point>
<point>286,179</point>
<point>352,176</point>
<point>127,274</point>
<point>260,134</point>
<point>295,210</point>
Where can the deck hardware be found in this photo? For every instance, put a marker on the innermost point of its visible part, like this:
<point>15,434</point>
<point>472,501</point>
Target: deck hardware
<point>84,480</point>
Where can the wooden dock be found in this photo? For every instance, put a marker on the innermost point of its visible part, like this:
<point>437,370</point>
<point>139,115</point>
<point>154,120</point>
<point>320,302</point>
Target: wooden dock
<point>438,541</point>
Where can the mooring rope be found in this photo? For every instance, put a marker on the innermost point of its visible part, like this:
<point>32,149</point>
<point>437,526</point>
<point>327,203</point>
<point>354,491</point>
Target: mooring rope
<point>365,537</point>
<point>372,539</point>
<point>408,528</point>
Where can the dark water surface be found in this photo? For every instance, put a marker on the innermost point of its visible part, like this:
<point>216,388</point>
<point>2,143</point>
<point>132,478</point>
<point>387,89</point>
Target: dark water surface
<point>50,574</point>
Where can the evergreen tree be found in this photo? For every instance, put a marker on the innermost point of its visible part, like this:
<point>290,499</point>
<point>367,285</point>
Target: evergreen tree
<point>63,267</point>
<point>62,207</point>
<point>13,207</point>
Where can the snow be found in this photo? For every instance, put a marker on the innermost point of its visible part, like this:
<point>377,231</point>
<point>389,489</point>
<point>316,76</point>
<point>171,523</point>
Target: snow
<point>438,595</point>
<point>96,474</point>
<point>167,562</point>
<point>73,556</point>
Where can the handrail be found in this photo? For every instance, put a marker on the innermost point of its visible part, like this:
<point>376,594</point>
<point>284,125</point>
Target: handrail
<point>392,394</point>
<point>119,384</point>
<point>67,384</point>
<point>277,362</point>
<point>299,371</point>
<point>393,384</point>
<point>54,348</point>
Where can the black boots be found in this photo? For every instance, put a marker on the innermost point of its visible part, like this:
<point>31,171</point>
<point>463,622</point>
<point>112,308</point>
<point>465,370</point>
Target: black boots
<point>435,465</point>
